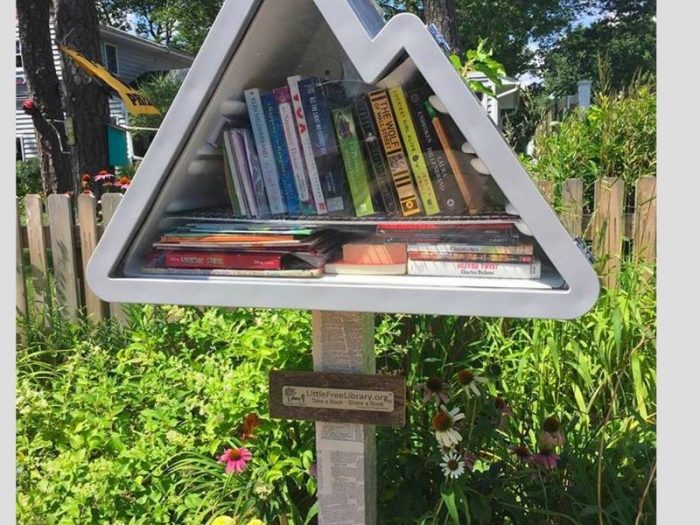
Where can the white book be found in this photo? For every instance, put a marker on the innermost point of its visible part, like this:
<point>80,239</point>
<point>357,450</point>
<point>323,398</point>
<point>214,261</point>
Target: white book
<point>236,175</point>
<point>306,147</point>
<point>475,269</point>
<point>525,248</point>
<point>256,175</point>
<point>241,159</point>
<point>264,147</point>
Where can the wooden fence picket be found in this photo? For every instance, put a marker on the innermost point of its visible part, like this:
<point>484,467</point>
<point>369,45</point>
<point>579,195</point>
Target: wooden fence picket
<point>38,257</point>
<point>572,206</point>
<point>65,268</point>
<point>21,290</point>
<point>608,227</point>
<point>644,240</point>
<point>87,218</point>
<point>546,188</point>
<point>110,202</point>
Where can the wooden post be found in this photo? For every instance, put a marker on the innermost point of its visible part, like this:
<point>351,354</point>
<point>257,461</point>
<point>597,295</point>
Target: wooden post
<point>546,188</point>
<point>87,218</point>
<point>110,201</point>
<point>572,206</point>
<point>608,226</point>
<point>21,291</point>
<point>36,238</point>
<point>65,268</point>
<point>644,243</point>
<point>345,453</point>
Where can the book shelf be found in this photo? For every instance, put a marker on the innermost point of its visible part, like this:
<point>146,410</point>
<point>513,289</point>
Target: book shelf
<point>183,179</point>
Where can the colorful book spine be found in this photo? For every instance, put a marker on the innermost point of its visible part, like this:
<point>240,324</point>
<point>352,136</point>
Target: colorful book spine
<point>306,147</point>
<point>256,175</point>
<point>204,260</point>
<point>475,269</point>
<point>240,161</point>
<point>525,248</point>
<point>413,150</point>
<point>325,148</point>
<point>471,257</point>
<point>280,153</point>
<point>444,182</point>
<point>230,188</point>
<point>283,98</point>
<point>368,134</point>
<point>398,164</point>
<point>266,156</point>
<point>355,168</point>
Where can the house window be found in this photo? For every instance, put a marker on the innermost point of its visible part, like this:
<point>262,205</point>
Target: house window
<point>21,93</point>
<point>18,55</point>
<point>111,61</point>
<point>19,143</point>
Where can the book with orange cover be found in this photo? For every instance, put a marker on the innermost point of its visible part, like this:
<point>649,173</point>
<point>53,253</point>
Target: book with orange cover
<point>368,252</point>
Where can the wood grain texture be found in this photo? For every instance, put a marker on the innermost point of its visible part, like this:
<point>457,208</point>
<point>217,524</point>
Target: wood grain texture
<point>65,267</point>
<point>546,188</point>
<point>395,385</point>
<point>110,203</point>
<point>608,227</point>
<point>87,218</point>
<point>572,206</point>
<point>36,241</point>
<point>20,289</point>
<point>645,220</point>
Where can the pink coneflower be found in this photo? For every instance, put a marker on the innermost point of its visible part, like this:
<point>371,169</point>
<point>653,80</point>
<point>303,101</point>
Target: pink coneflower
<point>104,175</point>
<point>236,459</point>
<point>85,177</point>
<point>551,435</point>
<point>434,388</point>
<point>250,423</point>
<point>468,380</point>
<point>443,424</point>
<point>503,412</point>
<point>522,452</point>
<point>546,458</point>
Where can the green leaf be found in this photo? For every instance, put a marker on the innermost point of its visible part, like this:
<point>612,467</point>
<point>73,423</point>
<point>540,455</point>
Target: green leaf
<point>640,392</point>
<point>448,497</point>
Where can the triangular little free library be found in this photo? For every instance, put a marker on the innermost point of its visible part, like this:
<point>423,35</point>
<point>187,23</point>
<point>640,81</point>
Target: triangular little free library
<point>319,158</point>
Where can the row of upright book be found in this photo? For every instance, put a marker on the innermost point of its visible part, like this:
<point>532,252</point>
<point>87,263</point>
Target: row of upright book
<point>314,148</point>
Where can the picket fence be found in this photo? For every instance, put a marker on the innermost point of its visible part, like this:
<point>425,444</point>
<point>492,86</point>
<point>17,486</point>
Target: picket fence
<point>59,247</point>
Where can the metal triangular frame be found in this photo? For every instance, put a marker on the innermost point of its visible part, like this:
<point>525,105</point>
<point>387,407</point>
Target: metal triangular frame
<point>372,46</point>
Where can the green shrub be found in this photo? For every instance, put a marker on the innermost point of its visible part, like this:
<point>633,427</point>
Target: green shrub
<point>616,137</point>
<point>28,177</point>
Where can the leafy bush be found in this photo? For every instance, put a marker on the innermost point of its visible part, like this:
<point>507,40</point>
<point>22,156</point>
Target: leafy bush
<point>125,425</point>
<point>616,137</point>
<point>28,177</point>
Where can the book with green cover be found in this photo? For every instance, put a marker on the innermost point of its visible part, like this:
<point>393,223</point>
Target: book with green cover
<point>355,168</point>
<point>413,150</point>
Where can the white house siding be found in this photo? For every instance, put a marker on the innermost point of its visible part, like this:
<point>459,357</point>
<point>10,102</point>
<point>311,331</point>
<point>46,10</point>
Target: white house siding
<point>134,58</point>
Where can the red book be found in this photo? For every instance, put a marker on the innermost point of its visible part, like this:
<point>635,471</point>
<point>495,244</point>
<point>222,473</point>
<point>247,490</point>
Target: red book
<point>224,260</point>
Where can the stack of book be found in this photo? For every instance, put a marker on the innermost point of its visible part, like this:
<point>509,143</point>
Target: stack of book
<point>311,149</point>
<point>242,250</point>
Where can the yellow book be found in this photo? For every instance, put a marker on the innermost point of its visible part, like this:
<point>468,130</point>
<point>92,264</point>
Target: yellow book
<point>413,149</point>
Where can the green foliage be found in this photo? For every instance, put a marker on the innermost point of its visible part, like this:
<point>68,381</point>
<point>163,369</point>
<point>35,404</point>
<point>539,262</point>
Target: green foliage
<point>615,138</point>
<point>124,425</point>
<point>480,60</point>
<point>28,177</point>
<point>161,90</point>
<point>625,37</point>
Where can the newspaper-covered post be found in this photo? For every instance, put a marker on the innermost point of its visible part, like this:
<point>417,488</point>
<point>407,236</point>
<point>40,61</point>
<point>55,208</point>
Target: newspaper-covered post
<point>345,453</point>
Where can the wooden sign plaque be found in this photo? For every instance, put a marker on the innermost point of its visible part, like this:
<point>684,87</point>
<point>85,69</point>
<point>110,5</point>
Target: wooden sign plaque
<point>338,398</point>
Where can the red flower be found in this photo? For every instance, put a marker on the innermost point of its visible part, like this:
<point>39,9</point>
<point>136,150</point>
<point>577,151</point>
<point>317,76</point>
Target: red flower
<point>86,177</point>
<point>29,106</point>
<point>250,423</point>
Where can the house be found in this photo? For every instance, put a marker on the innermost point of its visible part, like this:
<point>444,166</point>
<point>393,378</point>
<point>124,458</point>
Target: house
<point>125,55</point>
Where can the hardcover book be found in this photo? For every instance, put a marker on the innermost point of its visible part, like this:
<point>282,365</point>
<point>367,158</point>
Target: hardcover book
<point>306,146</point>
<point>398,164</point>
<point>325,148</point>
<point>354,161</point>
<point>223,260</point>
<point>235,151</point>
<point>413,150</point>
<point>444,183</point>
<point>256,174</point>
<point>266,157</point>
<point>280,153</point>
<point>523,248</point>
<point>283,98</point>
<point>367,132</point>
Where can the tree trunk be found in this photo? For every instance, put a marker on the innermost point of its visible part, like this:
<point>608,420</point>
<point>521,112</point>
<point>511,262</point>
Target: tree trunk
<point>87,102</point>
<point>46,110</point>
<point>443,14</point>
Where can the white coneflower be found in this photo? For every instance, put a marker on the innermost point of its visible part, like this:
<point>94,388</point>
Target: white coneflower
<point>468,380</point>
<point>452,465</point>
<point>444,426</point>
